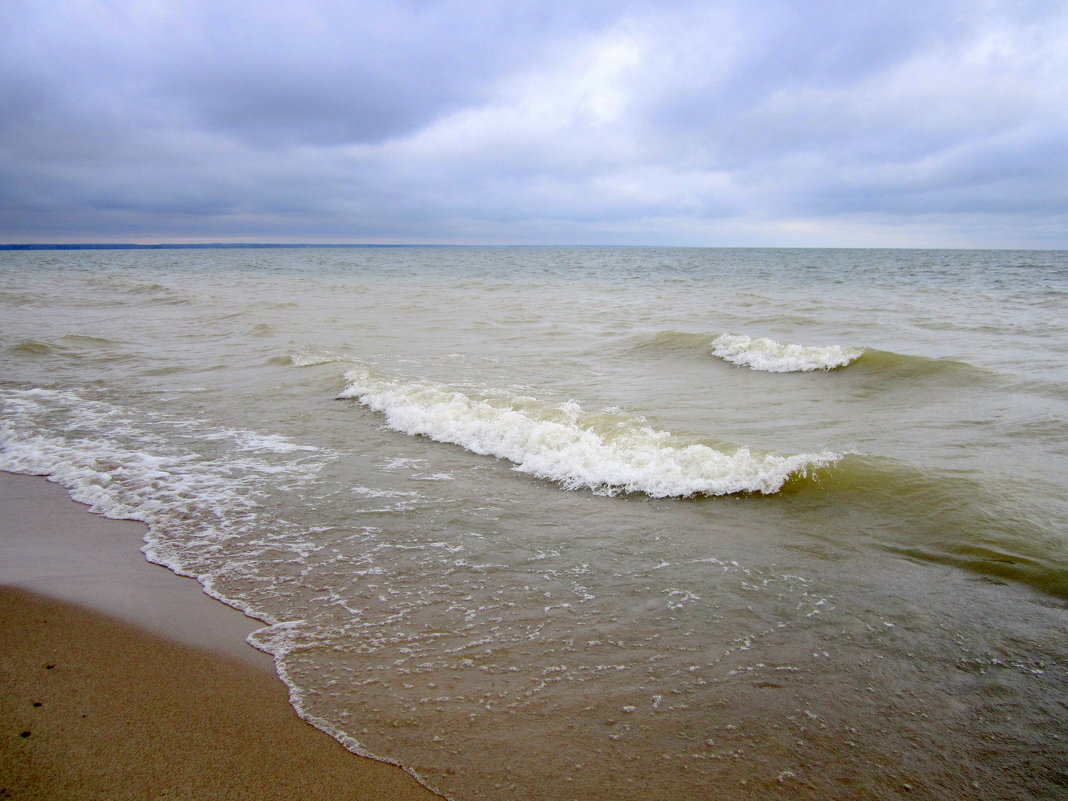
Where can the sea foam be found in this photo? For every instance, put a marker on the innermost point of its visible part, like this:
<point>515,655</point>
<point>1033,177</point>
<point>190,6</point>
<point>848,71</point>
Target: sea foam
<point>309,357</point>
<point>143,466</point>
<point>775,357</point>
<point>607,452</point>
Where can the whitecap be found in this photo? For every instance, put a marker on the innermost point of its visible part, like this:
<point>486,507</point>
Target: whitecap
<point>309,357</point>
<point>775,357</point>
<point>607,453</point>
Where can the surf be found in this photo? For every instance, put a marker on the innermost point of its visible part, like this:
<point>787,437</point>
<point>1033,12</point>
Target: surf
<point>609,452</point>
<point>770,356</point>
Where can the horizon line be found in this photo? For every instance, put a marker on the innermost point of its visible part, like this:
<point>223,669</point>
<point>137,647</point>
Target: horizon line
<point>16,246</point>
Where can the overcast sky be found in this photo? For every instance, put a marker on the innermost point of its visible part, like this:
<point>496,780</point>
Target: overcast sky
<point>931,123</point>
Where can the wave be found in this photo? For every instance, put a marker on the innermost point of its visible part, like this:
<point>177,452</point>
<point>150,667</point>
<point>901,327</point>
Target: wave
<point>117,290</point>
<point>608,452</point>
<point>159,293</point>
<point>902,365</point>
<point>767,355</point>
<point>31,347</point>
<point>942,517</point>
<point>307,357</point>
<point>77,345</point>
<point>676,342</point>
<point>770,356</point>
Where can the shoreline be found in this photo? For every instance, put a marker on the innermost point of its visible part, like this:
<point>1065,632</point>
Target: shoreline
<point>153,691</point>
<point>55,547</point>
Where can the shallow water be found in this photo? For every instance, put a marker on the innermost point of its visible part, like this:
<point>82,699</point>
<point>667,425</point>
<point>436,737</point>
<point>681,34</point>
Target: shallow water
<point>516,526</point>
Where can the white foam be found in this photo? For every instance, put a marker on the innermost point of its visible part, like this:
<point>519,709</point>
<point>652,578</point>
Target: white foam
<point>124,466</point>
<point>608,453</point>
<point>307,357</point>
<point>775,357</point>
<point>254,441</point>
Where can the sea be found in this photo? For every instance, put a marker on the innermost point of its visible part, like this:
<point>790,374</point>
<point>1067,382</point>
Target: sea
<point>594,523</point>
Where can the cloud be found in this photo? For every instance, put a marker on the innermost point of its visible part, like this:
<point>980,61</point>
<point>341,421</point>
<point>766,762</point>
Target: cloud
<point>764,122</point>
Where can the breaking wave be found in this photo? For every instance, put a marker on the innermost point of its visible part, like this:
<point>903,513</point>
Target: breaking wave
<point>309,357</point>
<point>608,452</point>
<point>770,356</point>
<point>775,357</point>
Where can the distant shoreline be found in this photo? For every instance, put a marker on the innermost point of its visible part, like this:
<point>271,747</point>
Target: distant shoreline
<point>200,246</point>
<point>398,245</point>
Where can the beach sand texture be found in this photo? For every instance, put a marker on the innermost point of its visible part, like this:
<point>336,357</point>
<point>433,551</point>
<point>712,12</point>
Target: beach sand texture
<point>96,708</point>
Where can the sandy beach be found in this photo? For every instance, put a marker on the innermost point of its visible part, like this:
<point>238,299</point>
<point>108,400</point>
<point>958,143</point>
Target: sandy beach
<point>122,681</point>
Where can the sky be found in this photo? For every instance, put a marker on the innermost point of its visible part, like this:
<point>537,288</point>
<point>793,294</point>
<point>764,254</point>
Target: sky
<point>808,123</point>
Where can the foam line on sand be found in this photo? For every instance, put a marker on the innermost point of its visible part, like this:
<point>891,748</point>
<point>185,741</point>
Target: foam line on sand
<point>94,706</point>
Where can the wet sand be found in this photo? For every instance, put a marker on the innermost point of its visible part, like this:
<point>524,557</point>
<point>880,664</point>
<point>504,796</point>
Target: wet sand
<point>121,680</point>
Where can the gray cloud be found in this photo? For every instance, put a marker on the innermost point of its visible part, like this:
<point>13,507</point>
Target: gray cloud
<point>735,123</point>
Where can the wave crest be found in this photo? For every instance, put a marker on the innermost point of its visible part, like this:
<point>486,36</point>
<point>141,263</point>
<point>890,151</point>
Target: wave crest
<point>775,357</point>
<point>608,453</point>
<point>308,357</point>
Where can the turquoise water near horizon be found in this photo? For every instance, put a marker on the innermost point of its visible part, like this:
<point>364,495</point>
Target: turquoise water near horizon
<point>594,522</point>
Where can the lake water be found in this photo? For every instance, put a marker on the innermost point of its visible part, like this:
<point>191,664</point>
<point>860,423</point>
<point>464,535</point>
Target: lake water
<point>595,523</point>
